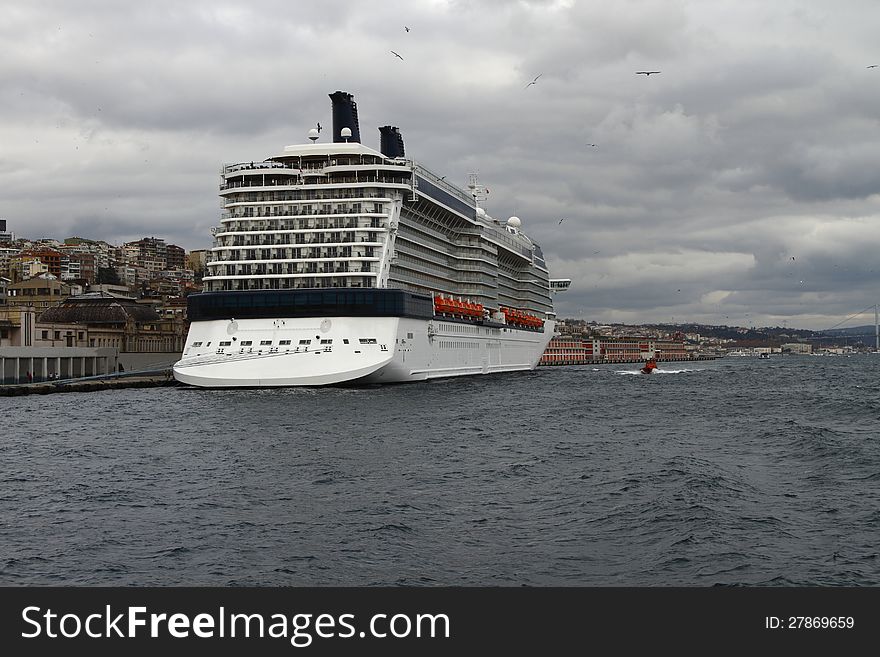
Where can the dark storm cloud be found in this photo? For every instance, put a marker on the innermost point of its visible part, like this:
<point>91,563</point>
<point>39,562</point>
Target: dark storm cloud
<point>757,142</point>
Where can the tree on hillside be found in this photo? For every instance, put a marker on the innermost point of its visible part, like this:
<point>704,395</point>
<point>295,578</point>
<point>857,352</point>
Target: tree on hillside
<point>108,276</point>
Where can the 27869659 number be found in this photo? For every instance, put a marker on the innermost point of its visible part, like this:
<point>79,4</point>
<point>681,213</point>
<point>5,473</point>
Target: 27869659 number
<point>821,622</point>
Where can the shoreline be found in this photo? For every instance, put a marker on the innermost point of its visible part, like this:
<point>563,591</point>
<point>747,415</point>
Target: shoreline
<point>624,361</point>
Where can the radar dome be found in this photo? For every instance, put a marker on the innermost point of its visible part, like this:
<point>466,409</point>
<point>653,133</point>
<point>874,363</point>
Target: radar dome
<point>514,222</point>
<point>313,134</point>
<point>345,133</point>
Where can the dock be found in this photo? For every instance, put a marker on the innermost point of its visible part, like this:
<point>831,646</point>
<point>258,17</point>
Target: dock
<point>150,379</point>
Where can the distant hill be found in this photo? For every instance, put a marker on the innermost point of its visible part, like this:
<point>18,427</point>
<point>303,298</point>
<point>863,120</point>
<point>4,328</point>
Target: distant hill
<point>773,336</point>
<point>852,332</point>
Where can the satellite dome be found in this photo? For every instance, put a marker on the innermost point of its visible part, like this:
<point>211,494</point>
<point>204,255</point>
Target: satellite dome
<point>345,133</point>
<point>514,222</point>
<point>313,134</point>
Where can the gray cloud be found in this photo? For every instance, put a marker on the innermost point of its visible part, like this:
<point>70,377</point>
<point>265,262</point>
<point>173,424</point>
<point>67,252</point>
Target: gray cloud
<point>759,140</point>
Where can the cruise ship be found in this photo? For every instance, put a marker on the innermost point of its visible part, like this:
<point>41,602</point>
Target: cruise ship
<point>335,263</point>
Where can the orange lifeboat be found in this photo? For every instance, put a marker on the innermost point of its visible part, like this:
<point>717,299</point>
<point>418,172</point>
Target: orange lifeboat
<point>516,317</point>
<point>457,307</point>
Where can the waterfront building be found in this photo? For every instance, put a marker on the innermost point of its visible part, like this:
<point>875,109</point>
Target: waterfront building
<point>36,364</point>
<point>103,320</point>
<point>575,350</point>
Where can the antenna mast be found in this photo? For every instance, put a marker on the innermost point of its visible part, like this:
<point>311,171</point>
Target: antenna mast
<point>478,191</point>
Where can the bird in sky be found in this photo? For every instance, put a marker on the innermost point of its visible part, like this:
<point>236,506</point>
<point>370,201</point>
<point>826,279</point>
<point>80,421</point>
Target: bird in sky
<point>534,81</point>
<point>873,66</point>
<point>593,145</point>
<point>646,73</point>
<point>406,28</point>
<point>396,55</point>
<point>561,220</point>
<point>319,126</point>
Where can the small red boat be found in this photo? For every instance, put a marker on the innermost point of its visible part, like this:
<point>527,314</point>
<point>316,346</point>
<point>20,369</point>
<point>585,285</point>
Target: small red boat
<point>649,367</point>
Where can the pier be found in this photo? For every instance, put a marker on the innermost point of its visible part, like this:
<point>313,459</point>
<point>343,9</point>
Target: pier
<point>146,379</point>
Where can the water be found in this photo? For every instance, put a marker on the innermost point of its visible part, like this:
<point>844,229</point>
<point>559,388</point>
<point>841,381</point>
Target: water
<point>736,471</point>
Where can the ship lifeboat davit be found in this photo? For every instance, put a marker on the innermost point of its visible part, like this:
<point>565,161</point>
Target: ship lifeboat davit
<point>649,367</point>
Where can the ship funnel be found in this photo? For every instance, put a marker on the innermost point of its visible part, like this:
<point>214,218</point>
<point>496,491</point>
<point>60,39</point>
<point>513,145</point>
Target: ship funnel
<point>391,142</point>
<point>345,115</point>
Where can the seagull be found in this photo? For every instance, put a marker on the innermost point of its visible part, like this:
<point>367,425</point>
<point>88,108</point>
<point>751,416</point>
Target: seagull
<point>593,145</point>
<point>534,81</point>
<point>561,220</point>
<point>396,55</point>
<point>646,72</point>
<point>406,28</point>
<point>319,127</point>
<point>873,66</point>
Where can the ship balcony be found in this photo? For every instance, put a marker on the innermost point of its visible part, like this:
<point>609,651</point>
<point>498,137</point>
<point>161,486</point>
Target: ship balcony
<point>317,181</point>
<point>326,219</point>
<point>306,196</point>
<point>293,275</point>
<point>352,263</point>
<point>239,241</point>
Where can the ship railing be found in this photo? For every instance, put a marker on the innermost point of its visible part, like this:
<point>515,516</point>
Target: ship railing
<point>268,164</point>
<point>440,182</point>
<point>516,246</point>
<point>311,195</point>
<point>301,182</point>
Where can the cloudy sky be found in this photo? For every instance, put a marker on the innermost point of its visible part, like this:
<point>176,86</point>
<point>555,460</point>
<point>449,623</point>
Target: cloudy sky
<point>739,186</point>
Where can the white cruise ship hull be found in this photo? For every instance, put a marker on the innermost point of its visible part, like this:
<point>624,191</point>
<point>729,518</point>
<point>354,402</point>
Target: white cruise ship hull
<point>301,351</point>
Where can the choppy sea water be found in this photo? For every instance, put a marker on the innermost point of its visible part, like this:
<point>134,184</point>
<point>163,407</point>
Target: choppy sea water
<point>737,471</point>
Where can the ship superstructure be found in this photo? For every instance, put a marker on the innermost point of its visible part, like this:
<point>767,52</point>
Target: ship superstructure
<point>368,263</point>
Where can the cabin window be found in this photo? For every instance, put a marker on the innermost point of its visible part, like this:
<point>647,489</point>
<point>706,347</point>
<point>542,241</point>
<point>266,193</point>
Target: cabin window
<point>284,342</point>
<point>246,343</point>
<point>263,343</point>
<point>197,344</point>
<point>367,340</point>
<point>226,343</point>
<point>305,342</point>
